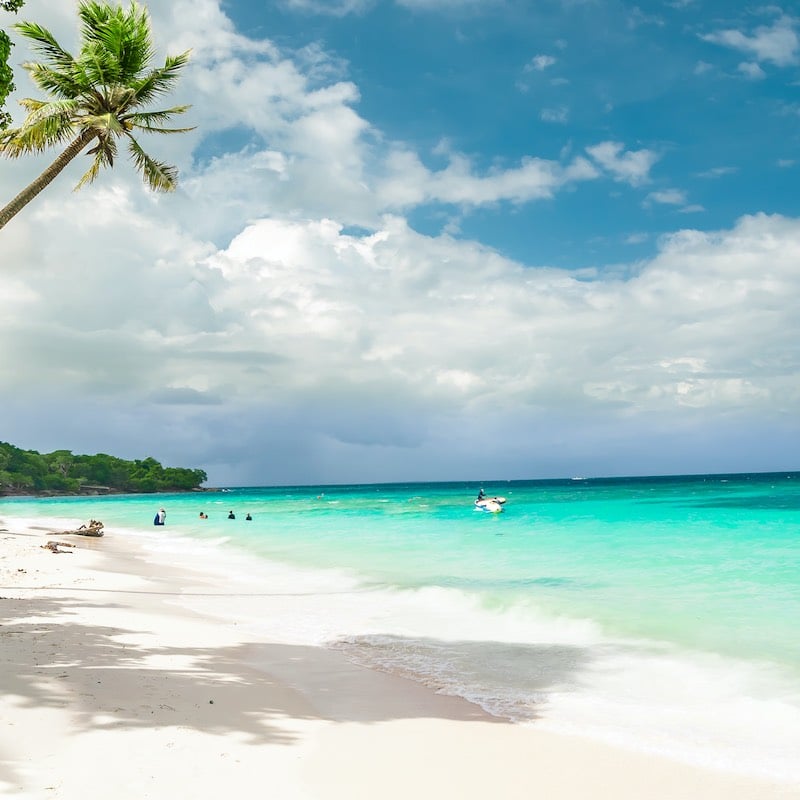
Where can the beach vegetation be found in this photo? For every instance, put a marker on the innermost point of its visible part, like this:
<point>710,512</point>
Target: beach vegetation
<point>99,97</point>
<point>62,472</point>
<point>6,75</point>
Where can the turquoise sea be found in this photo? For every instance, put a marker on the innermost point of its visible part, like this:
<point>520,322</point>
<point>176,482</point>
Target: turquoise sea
<point>655,613</point>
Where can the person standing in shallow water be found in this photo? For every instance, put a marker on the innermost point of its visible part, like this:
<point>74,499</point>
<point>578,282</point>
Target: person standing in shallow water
<point>160,517</point>
<point>231,515</point>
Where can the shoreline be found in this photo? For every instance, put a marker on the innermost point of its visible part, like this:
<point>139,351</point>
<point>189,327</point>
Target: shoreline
<point>113,679</point>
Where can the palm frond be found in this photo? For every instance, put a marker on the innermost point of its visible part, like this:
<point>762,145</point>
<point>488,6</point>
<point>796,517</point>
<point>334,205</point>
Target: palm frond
<point>104,153</point>
<point>45,43</point>
<point>124,35</point>
<point>152,120</point>
<point>31,104</point>
<point>37,137</point>
<point>94,17</point>
<point>160,81</point>
<point>39,110</point>
<point>96,65</point>
<point>159,176</point>
<point>47,123</point>
<point>53,81</point>
<point>136,50</point>
<point>147,129</point>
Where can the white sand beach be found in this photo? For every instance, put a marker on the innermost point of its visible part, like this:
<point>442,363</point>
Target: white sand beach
<point>117,682</point>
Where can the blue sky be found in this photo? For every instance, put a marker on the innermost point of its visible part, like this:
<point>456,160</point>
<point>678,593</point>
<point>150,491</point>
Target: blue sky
<point>428,239</point>
<point>498,82</point>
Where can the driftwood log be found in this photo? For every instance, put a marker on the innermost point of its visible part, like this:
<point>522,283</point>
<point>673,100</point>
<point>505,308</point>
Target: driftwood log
<point>93,528</point>
<point>54,546</point>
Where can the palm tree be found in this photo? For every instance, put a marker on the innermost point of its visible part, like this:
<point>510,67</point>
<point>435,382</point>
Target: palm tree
<point>95,97</point>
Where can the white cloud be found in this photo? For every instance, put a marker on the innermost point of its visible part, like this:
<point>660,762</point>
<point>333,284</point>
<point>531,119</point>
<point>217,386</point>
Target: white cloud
<point>409,182</point>
<point>559,115</point>
<point>673,197</point>
<point>637,17</point>
<point>628,166</point>
<point>778,43</point>
<point>294,310</point>
<point>436,5</point>
<point>336,8</point>
<point>717,172</point>
<point>539,63</point>
<point>751,70</point>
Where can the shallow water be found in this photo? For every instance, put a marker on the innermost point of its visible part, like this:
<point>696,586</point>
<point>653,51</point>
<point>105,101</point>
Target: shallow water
<point>657,613</point>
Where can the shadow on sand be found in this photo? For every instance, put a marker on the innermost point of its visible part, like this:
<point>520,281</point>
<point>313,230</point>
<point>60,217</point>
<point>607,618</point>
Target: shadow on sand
<point>50,659</point>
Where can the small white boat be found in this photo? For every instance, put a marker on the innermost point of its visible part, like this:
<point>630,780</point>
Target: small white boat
<point>491,505</point>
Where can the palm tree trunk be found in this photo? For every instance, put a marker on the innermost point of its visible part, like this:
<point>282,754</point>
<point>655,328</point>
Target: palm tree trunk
<point>30,191</point>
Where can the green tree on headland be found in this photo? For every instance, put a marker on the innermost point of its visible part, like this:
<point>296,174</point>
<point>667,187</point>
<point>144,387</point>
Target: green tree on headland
<point>62,472</point>
<point>95,98</point>
<point>6,75</point>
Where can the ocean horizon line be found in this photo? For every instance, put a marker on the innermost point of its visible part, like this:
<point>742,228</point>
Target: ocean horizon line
<point>665,477</point>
